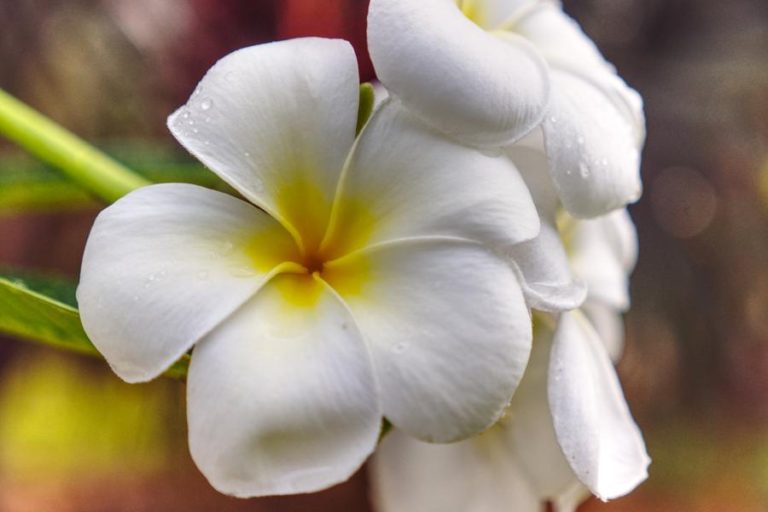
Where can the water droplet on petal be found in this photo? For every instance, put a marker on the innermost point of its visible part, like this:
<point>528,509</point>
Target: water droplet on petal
<point>584,171</point>
<point>206,104</point>
<point>553,120</point>
<point>580,140</point>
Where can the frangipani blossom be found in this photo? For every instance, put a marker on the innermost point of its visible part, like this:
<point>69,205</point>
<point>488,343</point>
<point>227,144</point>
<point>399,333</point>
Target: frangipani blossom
<point>568,430</point>
<point>488,72</point>
<point>361,277</point>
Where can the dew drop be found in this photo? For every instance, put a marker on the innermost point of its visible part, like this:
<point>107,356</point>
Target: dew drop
<point>553,120</point>
<point>584,171</point>
<point>206,104</point>
<point>580,140</point>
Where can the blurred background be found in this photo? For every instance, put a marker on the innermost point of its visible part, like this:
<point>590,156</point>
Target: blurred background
<point>75,438</point>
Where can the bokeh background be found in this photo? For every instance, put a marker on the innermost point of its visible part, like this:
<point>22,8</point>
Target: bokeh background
<point>75,438</point>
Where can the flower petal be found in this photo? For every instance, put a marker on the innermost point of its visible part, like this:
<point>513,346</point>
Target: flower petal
<point>528,428</point>
<point>164,265</point>
<point>448,329</point>
<point>591,147</point>
<point>498,14</point>
<point>405,180</point>
<point>543,262</point>
<point>609,325</point>
<point>475,475</point>
<point>276,121</point>
<point>282,397</point>
<point>461,79</point>
<point>567,48</point>
<point>604,252</point>
<point>593,423</point>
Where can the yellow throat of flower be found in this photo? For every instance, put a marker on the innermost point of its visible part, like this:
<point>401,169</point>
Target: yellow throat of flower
<point>473,9</point>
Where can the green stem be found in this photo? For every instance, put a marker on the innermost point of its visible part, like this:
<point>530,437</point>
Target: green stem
<point>52,143</point>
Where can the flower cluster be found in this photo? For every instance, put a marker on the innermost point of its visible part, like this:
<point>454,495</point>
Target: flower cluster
<point>391,273</point>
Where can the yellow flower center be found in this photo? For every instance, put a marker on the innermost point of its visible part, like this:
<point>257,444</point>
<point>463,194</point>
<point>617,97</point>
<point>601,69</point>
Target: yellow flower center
<point>320,242</point>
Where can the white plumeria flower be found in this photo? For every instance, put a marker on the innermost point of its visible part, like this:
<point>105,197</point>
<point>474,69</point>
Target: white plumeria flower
<point>488,72</point>
<point>360,280</point>
<point>568,429</point>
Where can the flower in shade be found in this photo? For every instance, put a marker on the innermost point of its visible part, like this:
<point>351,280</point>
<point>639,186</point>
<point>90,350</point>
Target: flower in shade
<point>568,430</point>
<point>489,72</point>
<point>359,278</point>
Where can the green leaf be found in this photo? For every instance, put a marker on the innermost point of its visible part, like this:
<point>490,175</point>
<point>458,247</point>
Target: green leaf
<point>43,309</point>
<point>29,185</point>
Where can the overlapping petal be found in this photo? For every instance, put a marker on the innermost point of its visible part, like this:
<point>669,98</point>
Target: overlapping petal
<point>469,476</point>
<point>256,121</point>
<point>448,329</point>
<point>528,431</point>
<point>543,262</point>
<point>464,81</point>
<point>604,254</point>
<point>594,426</point>
<point>164,265</point>
<point>591,147</point>
<point>499,14</point>
<point>567,48</point>
<point>405,180</point>
<point>282,397</point>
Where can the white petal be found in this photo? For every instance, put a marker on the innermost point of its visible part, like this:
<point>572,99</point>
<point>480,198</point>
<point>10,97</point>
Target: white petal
<point>464,81</point>
<point>476,475</point>
<point>448,328</point>
<point>593,423</point>
<point>497,14</point>
<point>528,428</point>
<point>609,325</point>
<point>164,265</point>
<point>566,48</point>
<point>281,397</point>
<point>405,180</point>
<point>570,499</point>
<point>593,155</point>
<point>604,252</point>
<point>543,262</point>
<point>276,121</point>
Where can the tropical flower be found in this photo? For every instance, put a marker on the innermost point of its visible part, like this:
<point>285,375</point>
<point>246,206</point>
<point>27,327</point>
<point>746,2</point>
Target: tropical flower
<point>488,72</point>
<point>362,277</point>
<point>568,429</point>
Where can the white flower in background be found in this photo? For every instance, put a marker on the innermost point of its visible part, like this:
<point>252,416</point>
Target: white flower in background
<point>360,280</point>
<point>487,72</point>
<point>568,428</point>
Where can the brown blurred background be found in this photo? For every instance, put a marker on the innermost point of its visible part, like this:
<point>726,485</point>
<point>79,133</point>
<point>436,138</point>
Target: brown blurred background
<point>74,438</point>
